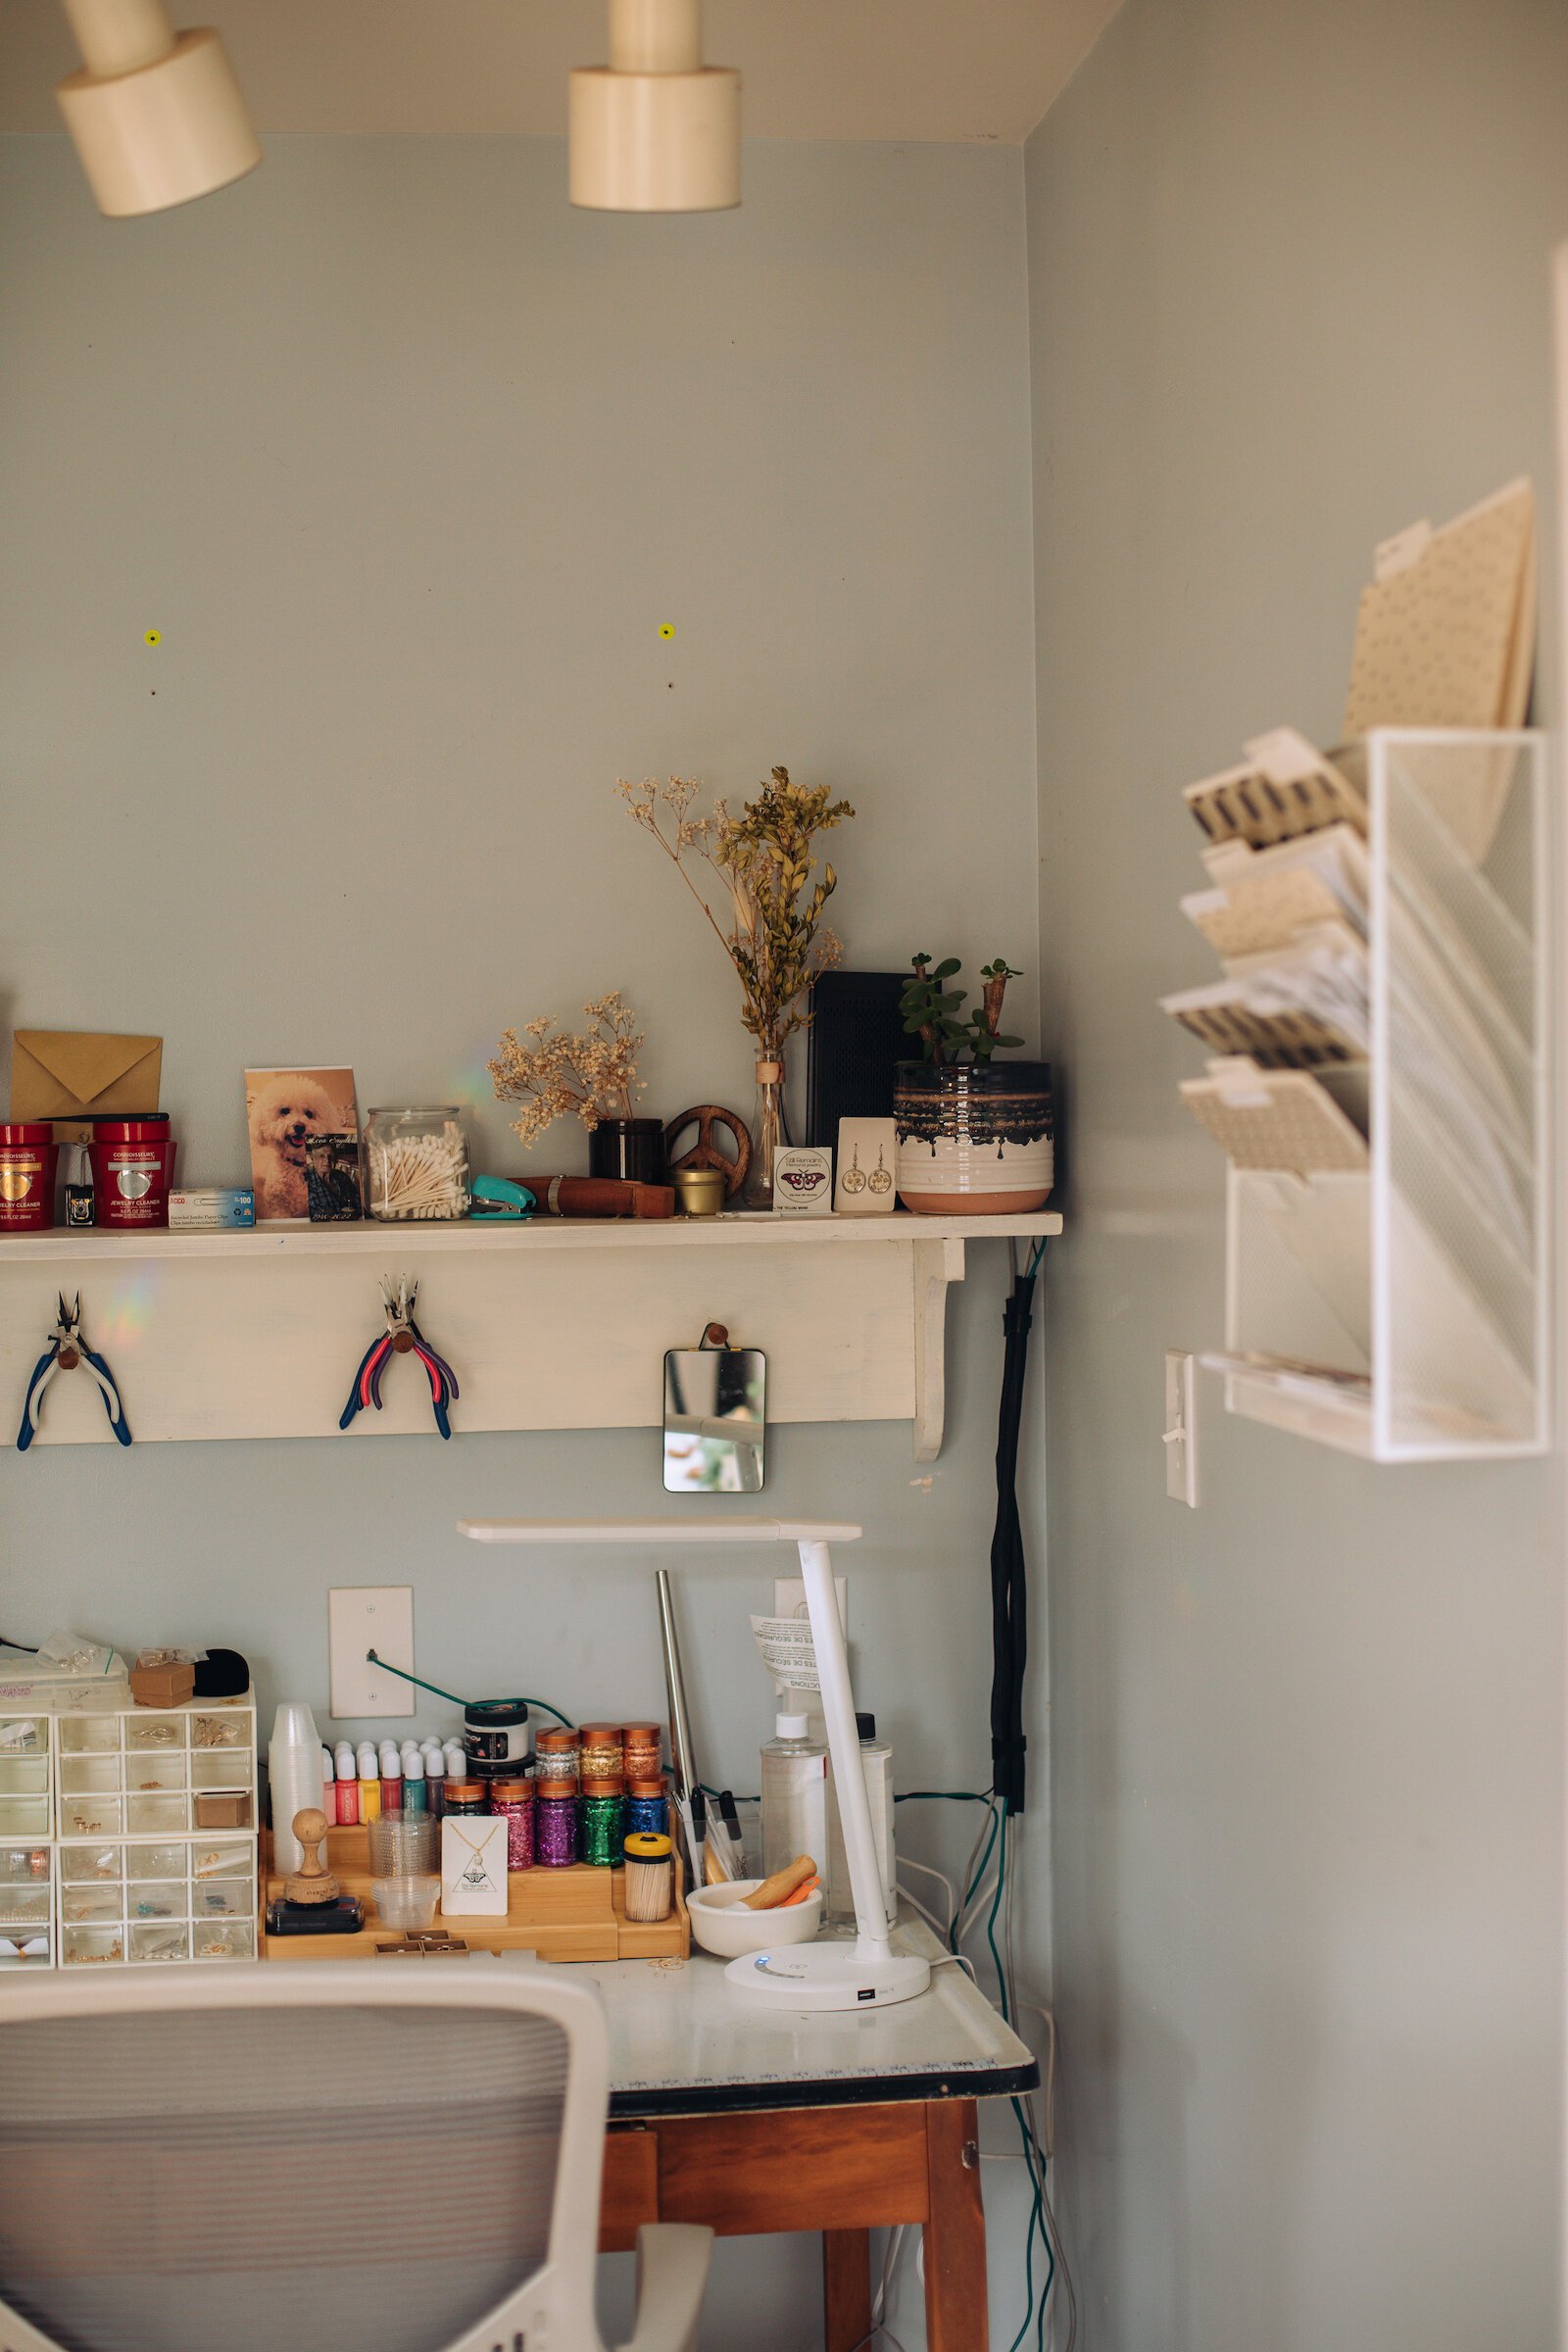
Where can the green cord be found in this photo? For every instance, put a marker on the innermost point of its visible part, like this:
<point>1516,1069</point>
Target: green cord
<point>451,1696</point>
<point>956,1796</point>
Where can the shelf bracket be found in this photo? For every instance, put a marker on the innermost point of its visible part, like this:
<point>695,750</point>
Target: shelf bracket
<point>936,1264</point>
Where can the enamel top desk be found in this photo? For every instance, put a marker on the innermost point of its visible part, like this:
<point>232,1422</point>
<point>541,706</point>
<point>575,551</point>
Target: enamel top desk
<point>754,2120</point>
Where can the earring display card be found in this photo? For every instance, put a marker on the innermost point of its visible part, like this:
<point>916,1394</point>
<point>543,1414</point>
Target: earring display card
<point>867,1158</point>
<point>803,1180</point>
<point>473,1866</point>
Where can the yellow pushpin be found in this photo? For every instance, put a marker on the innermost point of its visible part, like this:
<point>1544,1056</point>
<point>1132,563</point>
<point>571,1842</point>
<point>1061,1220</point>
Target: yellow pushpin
<point>667,628</point>
<point>152,637</point>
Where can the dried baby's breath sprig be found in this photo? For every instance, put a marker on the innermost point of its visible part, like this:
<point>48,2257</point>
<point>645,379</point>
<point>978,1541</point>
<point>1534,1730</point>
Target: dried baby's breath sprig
<point>763,863</point>
<point>591,1077</point>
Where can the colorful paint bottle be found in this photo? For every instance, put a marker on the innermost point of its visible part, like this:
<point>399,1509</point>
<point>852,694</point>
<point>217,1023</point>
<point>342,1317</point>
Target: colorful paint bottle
<point>346,1785</point>
<point>370,1783</point>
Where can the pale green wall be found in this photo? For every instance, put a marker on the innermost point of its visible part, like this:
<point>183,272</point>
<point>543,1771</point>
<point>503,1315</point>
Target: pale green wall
<point>408,463</point>
<point>1289,275</point>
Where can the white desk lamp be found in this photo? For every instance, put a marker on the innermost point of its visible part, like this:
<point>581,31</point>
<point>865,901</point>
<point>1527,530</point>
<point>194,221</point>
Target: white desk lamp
<point>869,1971</point>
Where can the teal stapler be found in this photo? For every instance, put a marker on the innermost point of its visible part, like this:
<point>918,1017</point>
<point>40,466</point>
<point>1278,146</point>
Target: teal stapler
<point>499,1197</point>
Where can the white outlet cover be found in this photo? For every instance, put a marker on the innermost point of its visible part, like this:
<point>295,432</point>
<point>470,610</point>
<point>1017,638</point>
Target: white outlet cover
<point>361,1617</point>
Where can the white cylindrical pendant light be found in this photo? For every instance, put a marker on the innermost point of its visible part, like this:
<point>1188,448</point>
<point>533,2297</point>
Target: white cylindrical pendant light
<point>656,130</point>
<point>157,116</point>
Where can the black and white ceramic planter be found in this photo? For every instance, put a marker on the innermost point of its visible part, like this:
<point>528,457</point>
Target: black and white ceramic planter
<point>974,1137</point>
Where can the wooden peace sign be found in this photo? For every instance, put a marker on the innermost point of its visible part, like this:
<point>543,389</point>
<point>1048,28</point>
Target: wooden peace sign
<point>706,1153</point>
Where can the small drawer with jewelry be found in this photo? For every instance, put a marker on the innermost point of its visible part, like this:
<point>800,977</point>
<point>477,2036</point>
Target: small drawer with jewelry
<point>158,1898</point>
<point>222,1858</point>
<point>82,1946</point>
<point>23,1907</point>
<point>90,1865</point>
<point>86,1814</point>
<point>155,1940</point>
<point>88,1906</point>
<point>223,1939</point>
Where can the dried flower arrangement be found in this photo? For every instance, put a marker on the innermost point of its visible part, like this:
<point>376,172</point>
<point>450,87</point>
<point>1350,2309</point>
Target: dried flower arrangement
<point>762,862</point>
<point>593,1075</point>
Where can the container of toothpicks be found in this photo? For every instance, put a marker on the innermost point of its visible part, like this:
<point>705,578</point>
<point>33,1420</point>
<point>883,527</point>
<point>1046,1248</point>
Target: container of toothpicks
<point>418,1165</point>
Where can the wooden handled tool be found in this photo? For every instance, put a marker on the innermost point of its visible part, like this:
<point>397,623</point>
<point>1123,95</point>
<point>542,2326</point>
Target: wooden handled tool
<point>601,1197</point>
<point>774,1890</point>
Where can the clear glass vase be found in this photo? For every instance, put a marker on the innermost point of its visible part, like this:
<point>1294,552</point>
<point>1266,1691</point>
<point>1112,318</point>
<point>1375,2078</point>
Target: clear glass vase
<point>770,1127</point>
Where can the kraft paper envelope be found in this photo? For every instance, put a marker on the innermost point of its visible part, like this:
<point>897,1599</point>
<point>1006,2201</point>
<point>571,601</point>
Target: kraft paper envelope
<point>82,1073</point>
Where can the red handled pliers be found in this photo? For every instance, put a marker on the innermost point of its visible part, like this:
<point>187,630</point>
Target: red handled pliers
<point>402,1337</point>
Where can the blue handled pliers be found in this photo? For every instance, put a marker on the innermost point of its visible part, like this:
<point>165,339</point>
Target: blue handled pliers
<point>402,1337</point>
<point>67,1350</point>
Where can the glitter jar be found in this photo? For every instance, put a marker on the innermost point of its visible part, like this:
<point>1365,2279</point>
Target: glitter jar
<point>604,1751</point>
<point>513,1799</point>
<point>644,1750</point>
<point>466,1796</point>
<point>556,1827</point>
<point>647,1808</point>
<point>556,1755</point>
<point>602,1832</point>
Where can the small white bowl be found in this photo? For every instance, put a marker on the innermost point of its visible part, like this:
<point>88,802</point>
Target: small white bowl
<point>721,1923</point>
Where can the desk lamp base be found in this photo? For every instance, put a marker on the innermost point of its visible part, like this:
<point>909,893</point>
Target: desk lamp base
<point>828,1975</point>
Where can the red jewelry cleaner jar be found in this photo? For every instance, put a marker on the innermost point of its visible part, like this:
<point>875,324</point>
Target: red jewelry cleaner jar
<point>132,1170</point>
<point>28,1156</point>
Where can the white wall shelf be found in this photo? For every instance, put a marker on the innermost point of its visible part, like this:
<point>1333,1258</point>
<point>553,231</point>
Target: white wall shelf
<point>558,1325</point>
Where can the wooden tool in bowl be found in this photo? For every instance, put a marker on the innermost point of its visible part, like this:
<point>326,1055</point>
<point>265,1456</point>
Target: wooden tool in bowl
<point>706,1153</point>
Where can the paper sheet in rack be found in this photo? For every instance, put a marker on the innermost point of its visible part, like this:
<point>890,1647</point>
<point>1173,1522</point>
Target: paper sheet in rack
<point>1445,632</point>
<point>1274,1119</point>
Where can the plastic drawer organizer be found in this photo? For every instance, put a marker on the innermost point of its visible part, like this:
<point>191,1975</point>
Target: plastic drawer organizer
<point>128,1836</point>
<point>1383,1098</point>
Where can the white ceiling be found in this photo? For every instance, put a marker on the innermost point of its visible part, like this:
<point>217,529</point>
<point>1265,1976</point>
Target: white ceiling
<point>811,69</point>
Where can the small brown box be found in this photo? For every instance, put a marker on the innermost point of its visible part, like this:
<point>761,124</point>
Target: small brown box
<point>161,1685</point>
<point>216,1812</point>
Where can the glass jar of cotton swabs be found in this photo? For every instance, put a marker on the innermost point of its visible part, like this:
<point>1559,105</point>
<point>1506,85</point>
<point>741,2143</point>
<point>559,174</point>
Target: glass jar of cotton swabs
<point>418,1165</point>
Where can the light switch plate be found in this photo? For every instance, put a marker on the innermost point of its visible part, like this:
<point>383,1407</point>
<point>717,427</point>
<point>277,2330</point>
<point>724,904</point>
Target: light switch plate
<point>1181,1431</point>
<point>361,1617</point>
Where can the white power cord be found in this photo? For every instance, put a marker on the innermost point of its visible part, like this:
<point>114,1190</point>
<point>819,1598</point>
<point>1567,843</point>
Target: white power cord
<point>909,1862</point>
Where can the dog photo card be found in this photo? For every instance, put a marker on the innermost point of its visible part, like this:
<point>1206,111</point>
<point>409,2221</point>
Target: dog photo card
<point>283,1110</point>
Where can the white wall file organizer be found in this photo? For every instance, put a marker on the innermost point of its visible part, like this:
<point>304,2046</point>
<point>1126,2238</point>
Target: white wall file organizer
<point>1401,1311</point>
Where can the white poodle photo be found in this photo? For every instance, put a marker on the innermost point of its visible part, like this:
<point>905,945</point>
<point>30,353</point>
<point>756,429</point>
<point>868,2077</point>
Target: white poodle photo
<point>283,1110</point>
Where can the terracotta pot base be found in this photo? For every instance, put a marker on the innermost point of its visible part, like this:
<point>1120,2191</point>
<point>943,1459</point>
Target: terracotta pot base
<point>975,1205</point>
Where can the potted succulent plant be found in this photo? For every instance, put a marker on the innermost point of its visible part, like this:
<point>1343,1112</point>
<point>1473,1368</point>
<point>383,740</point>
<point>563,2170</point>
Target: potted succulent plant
<point>974,1134</point>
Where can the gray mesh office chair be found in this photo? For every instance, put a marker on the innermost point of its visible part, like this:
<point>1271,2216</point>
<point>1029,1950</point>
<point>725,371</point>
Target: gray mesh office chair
<point>361,2156</point>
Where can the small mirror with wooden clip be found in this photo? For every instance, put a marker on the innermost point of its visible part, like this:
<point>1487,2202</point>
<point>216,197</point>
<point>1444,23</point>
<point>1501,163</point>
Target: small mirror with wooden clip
<point>715,1417</point>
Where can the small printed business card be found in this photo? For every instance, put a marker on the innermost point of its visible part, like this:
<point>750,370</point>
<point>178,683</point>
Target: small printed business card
<point>803,1180</point>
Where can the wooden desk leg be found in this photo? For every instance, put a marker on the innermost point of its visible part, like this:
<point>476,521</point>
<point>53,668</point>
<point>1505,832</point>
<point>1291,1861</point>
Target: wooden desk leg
<point>846,2288</point>
<point>955,2230</point>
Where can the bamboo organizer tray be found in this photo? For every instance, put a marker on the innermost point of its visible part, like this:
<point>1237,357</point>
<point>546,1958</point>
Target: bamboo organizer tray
<point>576,1914</point>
